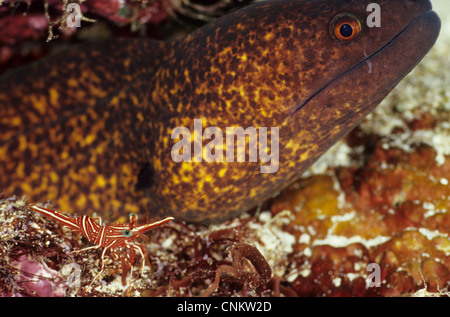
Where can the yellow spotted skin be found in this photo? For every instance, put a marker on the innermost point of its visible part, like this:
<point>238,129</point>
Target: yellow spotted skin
<point>90,128</point>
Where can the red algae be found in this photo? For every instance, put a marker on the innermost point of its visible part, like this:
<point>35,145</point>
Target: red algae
<point>393,213</point>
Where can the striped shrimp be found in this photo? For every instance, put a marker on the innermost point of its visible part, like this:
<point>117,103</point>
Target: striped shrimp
<point>112,237</point>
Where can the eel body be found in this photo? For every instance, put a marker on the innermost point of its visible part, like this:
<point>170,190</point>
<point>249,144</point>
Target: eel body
<point>90,128</point>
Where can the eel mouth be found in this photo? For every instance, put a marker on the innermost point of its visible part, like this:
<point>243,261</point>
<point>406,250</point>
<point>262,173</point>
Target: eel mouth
<point>428,16</point>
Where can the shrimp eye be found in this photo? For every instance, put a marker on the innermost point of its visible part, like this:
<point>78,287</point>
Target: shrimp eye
<point>346,28</point>
<point>127,233</point>
<point>133,215</point>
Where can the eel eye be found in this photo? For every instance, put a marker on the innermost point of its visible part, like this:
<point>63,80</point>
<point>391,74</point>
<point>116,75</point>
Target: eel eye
<point>346,28</point>
<point>127,233</point>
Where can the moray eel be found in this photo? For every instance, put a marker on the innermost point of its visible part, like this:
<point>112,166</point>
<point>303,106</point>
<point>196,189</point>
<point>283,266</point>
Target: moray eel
<point>90,128</point>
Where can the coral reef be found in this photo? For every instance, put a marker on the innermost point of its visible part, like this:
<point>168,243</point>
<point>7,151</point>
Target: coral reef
<point>185,258</point>
<point>29,28</point>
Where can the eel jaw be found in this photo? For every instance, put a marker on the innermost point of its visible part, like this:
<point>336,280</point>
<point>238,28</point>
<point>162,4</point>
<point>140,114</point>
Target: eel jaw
<point>368,60</point>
